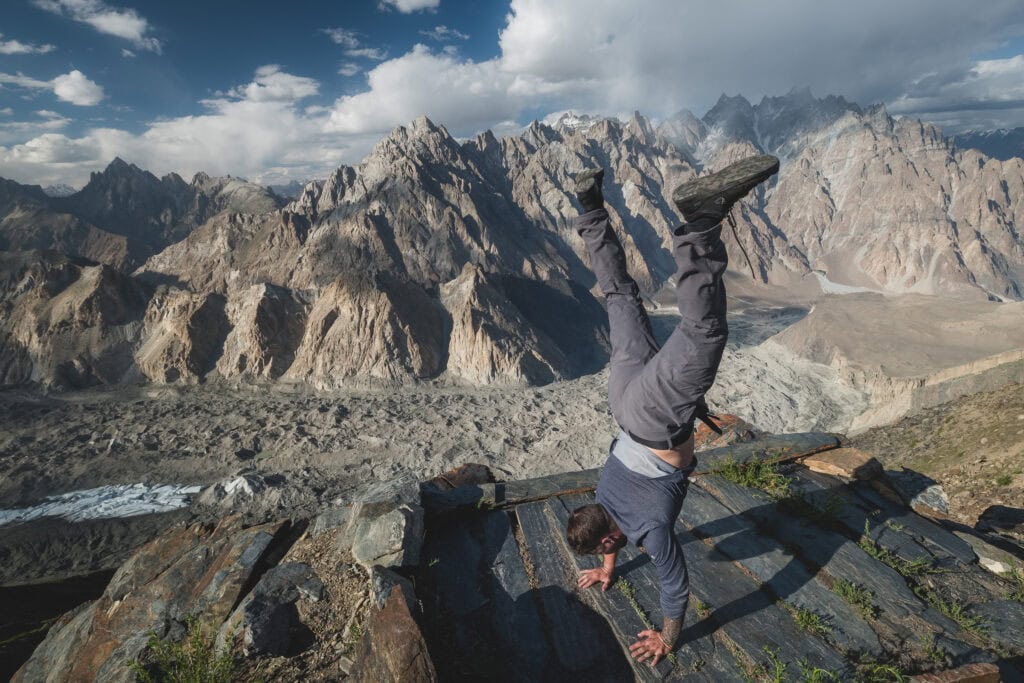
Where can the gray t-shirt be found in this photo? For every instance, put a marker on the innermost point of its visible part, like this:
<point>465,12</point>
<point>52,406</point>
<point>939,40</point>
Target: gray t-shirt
<point>644,495</point>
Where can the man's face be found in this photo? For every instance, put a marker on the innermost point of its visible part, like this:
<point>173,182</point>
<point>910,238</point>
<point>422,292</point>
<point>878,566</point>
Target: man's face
<point>611,543</point>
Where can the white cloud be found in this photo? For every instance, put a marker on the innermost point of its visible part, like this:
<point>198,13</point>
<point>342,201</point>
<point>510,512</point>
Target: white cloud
<point>48,121</point>
<point>125,52</point>
<point>654,55</point>
<point>6,111</point>
<point>409,6</point>
<point>343,36</point>
<point>75,88</point>
<point>442,33</point>
<point>255,127</point>
<point>122,23</point>
<point>375,53</point>
<point>273,85</point>
<point>71,87</point>
<point>15,47</point>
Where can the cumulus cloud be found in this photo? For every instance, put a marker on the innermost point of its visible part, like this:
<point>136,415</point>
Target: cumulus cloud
<point>15,47</point>
<point>409,6</point>
<point>443,33</point>
<point>273,85</point>
<point>349,69</point>
<point>73,87</point>
<point>122,23</point>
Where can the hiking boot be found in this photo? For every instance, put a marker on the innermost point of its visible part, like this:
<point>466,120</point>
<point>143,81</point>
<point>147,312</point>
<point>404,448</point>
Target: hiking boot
<point>713,195</point>
<point>588,189</point>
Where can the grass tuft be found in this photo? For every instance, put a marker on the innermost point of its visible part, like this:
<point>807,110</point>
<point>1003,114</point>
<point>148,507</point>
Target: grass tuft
<point>955,610</point>
<point>1017,587</point>
<point>906,568</point>
<point>857,596</point>
<point>756,475</point>
<point>932,651</point>
<point>193,660</point>
<point>808,621</point>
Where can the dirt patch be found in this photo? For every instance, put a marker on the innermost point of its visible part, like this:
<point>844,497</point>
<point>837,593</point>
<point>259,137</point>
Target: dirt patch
<point>335,622</point>
<point>973,446</point>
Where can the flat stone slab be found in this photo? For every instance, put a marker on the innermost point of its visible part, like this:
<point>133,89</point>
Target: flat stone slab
<point>766,559</point>
<point>850,463</point>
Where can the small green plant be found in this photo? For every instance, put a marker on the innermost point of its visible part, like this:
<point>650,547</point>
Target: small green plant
<point>812,674</point>
<point>773,670</point>
<point>193,660</point>
<point>879,673</point>
<point>810,622</point>
<point>858,597</point>
<point>895,526</point>
<point>702,608</point>
<point>1017,587</point>
<point>433,562</point>
<point>933,651</point>
<point>955,610</point>
<point>906,568</point>
<point>756,475</point>
<point>1003,480</point>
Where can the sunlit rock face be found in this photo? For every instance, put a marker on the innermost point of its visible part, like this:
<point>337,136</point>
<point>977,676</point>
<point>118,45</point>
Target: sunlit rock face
<point>440,258</point>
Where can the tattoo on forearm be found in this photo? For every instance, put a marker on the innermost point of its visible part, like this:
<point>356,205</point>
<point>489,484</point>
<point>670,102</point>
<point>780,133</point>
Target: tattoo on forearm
<point>670,631</point>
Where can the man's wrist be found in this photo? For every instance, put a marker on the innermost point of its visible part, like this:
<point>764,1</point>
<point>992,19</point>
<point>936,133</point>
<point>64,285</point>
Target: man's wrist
<point>670,631</point>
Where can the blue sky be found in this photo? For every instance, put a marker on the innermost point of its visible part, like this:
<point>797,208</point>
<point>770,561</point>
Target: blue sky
<point>275,91</point>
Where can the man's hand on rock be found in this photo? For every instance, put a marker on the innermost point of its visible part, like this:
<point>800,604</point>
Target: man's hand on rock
<point>589,577</point>
<point>649,646</point>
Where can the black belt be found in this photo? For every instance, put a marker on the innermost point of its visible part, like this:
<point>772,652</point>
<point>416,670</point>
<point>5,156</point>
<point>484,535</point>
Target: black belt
<point>702,413</point>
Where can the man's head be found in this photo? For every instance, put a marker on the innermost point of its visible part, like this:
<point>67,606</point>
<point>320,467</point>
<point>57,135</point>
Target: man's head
<point>592,531</point>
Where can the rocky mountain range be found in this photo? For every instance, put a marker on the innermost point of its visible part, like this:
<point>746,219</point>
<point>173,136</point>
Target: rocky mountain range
<point>440,258</point>
<point>1002,143</point>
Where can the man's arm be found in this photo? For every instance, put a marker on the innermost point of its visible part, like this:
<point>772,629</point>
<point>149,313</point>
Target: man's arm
<point>604,574</point>
<point>667,557</point>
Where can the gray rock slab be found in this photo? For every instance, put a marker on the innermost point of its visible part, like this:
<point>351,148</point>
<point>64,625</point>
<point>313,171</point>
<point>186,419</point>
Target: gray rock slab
<point>779,570</point>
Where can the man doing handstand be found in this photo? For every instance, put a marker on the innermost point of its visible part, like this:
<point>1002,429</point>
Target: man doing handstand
<point>655,393</point>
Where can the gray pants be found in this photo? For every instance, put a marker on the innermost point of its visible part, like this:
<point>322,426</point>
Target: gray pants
<point>653,391</point>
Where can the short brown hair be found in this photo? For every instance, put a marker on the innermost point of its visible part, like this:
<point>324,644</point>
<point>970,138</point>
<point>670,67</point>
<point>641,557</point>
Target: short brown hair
<point>588,524</point>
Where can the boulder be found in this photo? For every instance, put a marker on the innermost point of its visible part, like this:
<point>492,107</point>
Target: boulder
<point>922,493</point>
<point>383,582</point>
<point>267,617</point>
<point>393,647</point>
<point>389,536</point>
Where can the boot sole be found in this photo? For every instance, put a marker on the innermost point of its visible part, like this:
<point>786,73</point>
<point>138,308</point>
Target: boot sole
<point>731,183</point>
